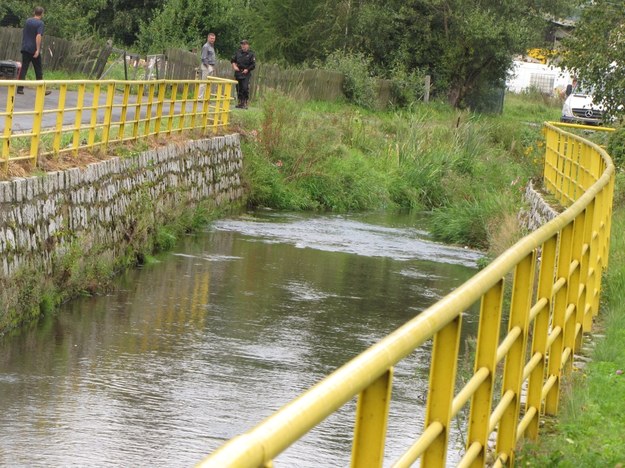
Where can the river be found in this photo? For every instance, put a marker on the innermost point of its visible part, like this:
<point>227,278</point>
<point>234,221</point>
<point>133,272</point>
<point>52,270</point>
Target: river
<point>212,337</point>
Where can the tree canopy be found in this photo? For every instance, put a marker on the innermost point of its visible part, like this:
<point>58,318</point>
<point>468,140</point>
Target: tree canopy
<point>466,45</point>
<point>595,53</point>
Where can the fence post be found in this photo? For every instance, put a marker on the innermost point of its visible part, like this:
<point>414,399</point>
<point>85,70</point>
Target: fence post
<point>522,287</point>
<point>441,389</point>
<point>486,357</point>
<point>426,96</point>
<point>371,420</point>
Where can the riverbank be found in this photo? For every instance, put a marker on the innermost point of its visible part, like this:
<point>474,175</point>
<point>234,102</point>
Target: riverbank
<point>68,232</point>
<point>590,428</point>
<point>468,170</point>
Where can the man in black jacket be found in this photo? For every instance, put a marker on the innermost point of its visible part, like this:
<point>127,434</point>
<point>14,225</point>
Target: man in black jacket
<point>243,63</point>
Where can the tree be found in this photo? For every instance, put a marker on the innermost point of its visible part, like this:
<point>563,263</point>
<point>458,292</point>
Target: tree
<point>468,45</point>
<point>186,23</point>
<point>595,53</point>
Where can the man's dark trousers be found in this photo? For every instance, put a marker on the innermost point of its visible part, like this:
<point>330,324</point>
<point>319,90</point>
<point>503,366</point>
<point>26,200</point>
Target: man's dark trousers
<point>243,88</point>
<point>27,59</point>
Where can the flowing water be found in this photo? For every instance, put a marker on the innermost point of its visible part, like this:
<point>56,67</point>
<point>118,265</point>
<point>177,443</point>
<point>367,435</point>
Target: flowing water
<point>237,320</point>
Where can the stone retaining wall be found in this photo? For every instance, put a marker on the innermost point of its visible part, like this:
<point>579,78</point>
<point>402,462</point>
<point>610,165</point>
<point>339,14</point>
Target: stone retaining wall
<point>539,211</point>
<point>99,205</point>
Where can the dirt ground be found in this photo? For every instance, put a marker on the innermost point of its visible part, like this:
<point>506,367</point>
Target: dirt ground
<point>63,161</point>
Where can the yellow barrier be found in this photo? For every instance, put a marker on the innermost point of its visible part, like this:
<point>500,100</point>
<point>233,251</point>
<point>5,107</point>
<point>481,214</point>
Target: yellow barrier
<point>84,115</point>
<point>554,291</point>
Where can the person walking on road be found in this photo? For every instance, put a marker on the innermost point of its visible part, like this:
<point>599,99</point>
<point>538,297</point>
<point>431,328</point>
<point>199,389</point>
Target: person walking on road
<point>31,47</point>
<point>208,61</point>
<point>243,62</point>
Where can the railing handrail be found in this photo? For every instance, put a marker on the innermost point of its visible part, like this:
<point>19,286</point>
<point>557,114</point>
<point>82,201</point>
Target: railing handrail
<point>29,83</point>
<point>261,444</point>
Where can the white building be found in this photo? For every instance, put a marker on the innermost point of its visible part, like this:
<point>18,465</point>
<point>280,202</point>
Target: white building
<point>545,78</point>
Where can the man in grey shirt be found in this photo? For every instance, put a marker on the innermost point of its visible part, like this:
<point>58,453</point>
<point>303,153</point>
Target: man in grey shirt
<point>208,61</point>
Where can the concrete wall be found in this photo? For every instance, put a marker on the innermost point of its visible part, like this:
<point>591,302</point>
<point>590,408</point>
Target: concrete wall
<point>99,205</point>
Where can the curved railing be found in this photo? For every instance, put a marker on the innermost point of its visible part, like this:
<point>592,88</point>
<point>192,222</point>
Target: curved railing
<point>551,280</point>
<point>55,117</point>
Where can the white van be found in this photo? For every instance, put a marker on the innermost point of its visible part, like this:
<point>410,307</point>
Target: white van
<point>579,108</point>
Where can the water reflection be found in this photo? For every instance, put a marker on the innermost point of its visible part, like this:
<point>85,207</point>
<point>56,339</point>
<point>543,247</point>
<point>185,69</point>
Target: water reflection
<point>234,323</point>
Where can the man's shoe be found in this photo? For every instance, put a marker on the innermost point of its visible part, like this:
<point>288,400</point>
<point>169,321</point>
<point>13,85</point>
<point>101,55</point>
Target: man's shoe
<point>20,91</point>
<point>48,92</point>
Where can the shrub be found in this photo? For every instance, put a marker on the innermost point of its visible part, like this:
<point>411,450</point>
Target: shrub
<point>616,146</point>
<point>407,87</point>
<point>359,85</point>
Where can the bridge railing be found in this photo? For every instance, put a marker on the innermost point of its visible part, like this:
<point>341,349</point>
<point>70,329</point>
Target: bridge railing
<point>544,290</point>
<point>91,114</point>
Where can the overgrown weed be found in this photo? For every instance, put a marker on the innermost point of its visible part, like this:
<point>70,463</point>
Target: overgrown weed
<point>329,157</point>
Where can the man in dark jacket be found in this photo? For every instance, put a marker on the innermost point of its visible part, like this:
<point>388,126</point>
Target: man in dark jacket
<point>31,47</point>
<point>243,63</point>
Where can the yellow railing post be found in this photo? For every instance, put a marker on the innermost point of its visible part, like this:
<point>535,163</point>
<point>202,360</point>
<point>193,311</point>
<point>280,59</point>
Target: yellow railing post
<point>194,103</point>
<point>183,107</point>
<point>121,132</point>
<point>8,125</point>
<point>558,324</point>
<point>108,114</point>
<point>583,306</point>
<point>207,101</point>
<point>371,420</point>
<point>541,329</point>
<point>486,357</point>
<point>37,118</point>
<point>148,110</point>
<point>172,108</point>
<point>159,106</point>
<point>94,114</point>
<point>573,291</point>
<point>218,106</point>
<point>80,102</point>
<point>137,116</point>
<point>441,390</point>
<point>594,267</point>
<point>522,289</point>
<point>225,106</point>
<point>58,132</point>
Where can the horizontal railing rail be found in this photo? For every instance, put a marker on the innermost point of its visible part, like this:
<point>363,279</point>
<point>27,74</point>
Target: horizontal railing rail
<point>91,114</point>
<point>545,288</point>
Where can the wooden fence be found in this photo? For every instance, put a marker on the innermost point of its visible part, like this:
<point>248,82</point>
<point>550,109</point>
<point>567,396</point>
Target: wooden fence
<point>317,84</point>
<point>86,57</point>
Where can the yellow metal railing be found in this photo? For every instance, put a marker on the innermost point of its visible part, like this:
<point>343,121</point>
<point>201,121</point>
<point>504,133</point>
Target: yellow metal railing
<point>546,288</point>
<point>87,115</point>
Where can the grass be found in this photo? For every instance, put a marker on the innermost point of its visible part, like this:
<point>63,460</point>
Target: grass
<point>590,429</point>
<point>337,157</point>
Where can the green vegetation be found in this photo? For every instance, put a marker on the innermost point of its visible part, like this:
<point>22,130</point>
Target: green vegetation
<point>590,428</point>
<point>466,46</point>
<point>469,170</point>
<point>595,52</point>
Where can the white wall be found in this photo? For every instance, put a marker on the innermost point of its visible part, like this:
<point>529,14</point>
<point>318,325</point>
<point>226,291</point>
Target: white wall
<point>547,78</point>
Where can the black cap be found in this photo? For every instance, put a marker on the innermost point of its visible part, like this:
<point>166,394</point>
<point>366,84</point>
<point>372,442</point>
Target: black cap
<point>244,41</point>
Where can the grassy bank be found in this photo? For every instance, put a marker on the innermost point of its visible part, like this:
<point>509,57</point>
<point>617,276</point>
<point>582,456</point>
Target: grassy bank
<point>468,170</point>
<point>590,429</point>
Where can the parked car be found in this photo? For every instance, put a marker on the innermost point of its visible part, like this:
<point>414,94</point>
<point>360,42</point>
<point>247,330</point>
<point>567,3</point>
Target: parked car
<point>580,108</point>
